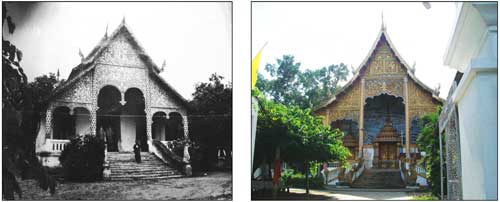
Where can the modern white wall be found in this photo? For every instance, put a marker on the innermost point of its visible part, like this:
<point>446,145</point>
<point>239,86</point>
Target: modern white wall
<point>478,138</point>
<point>473,51</point>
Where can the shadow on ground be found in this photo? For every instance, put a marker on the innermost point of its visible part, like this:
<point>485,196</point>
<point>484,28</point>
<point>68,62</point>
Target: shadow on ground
<point>267,195</point>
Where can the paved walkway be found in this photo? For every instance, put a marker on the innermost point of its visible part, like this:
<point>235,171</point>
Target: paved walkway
<point>358,194</point>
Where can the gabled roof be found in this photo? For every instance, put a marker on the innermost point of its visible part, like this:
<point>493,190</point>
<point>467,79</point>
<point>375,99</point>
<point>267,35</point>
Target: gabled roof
<point>88,63</point>
<point>381,35</point>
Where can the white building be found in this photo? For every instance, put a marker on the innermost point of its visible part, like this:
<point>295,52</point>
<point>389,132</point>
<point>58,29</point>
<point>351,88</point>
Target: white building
<point>469,118</point>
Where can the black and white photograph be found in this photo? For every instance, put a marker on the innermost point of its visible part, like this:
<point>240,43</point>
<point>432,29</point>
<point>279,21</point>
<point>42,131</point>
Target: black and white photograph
<point>117,101</point>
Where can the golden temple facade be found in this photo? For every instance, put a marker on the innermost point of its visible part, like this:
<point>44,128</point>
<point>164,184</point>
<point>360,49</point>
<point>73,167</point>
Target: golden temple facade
<point>383,85</point>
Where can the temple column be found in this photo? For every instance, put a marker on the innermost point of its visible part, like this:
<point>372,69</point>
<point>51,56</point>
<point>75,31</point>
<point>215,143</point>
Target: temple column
<point>93,120</point>
<point>407,119</point>
<point>48,123</point>
<point>361,116</point>
<point>186,127</point>
<point>149,125</point>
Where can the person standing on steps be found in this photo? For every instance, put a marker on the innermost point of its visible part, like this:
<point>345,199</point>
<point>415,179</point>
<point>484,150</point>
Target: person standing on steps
<point>137,152</point>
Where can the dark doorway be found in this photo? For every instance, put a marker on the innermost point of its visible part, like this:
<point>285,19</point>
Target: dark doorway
<point>108,116</point>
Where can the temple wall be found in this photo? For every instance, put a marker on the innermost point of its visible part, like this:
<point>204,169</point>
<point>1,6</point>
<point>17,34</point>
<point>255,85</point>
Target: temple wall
<point>346,106</point>
<point>80,91</point>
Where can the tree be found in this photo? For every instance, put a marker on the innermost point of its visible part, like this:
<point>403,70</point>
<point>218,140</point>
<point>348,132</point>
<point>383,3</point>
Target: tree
<point>210,119</point>
<point>428,141</point>
<point>18,131</point>
<point>42,88</point>
<point>290,86</point>
<point>296,134</point>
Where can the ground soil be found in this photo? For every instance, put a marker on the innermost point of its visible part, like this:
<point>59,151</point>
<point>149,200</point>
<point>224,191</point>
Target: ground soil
<point>213,186</point>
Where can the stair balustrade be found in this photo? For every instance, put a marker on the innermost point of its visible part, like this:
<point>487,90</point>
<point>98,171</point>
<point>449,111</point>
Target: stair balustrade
<point>55,145</point>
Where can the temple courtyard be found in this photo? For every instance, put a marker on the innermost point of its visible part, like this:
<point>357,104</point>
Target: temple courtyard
<point>213,186</point>
<point>346,194</point>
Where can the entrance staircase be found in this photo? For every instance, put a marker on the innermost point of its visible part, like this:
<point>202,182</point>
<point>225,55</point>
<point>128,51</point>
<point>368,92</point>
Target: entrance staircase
<point>124,167</point>
<point>379,179</point>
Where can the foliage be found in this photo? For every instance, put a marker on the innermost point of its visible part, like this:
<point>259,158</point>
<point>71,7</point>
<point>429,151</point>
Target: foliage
<point>42,88</point>
<point>83,158</point>
<point>290,86</point>
<point>428,141</point>
<point>286,178</point>
<point>178,145</point>
<point>210,119</point>
<point>425,197</point>
<point>300,136</point>
<point>299,180</point>
<point>20,123</point>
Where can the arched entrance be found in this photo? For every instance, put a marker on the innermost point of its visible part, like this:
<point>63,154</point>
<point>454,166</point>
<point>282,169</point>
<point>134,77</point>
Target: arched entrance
<point>384,129</point>
<point>134,121</point>
<point>159,126</point>
<point>108,116</point>
<point>63,123</point>
<point>175,127</point>
<point>82,120</point>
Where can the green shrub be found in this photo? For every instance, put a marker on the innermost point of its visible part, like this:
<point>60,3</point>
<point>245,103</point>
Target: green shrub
<point>298,180</point>
<point>83,158</point>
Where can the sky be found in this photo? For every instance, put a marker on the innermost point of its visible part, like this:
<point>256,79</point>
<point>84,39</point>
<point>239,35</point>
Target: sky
<point>194,38</point>
<point>319,34</point>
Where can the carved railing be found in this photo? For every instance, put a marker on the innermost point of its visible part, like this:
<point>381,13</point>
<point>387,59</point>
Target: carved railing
<point>360,167</point>
<point>420,171</point>
<point>402,170</point>
<point>55,146</point>
<point>171,158</point>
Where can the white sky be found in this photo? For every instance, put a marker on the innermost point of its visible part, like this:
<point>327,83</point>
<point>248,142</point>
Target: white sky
<point>194,38</point>
<point>322,33</point>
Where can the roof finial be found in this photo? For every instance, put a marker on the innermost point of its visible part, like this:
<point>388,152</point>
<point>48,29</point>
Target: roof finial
<point>383,23</point>
<point>58,74</point>
<point>123,19</point>
<point>80,53</point>
<point>106,34</point>
<point>413,67</point>
<point>163,65</point>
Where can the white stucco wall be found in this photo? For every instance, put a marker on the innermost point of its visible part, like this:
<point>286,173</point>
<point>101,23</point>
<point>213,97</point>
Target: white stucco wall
<point>127,139</point>
<point>473,51</point>
<point>478,138</point>
<point>40,137</point>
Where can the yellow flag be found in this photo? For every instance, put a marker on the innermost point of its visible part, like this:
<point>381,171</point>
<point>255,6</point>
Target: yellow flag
<point>255,66</point>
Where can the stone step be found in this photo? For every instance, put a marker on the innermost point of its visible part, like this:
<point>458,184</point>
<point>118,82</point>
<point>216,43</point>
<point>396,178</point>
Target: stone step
<point>140,173</point>
<point>379,179</point>
<point>124,167</point>
<point>145,178</point>
<point>133,165</point>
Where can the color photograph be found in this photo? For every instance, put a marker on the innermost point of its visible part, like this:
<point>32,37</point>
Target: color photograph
<point>374,101</point>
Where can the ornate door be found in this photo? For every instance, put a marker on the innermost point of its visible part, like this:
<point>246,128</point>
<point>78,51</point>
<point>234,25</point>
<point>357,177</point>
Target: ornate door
<point>387,154</point>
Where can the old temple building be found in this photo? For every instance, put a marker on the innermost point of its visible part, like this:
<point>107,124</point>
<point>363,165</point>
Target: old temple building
<point>380,107</point>
<point>116,92</point>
